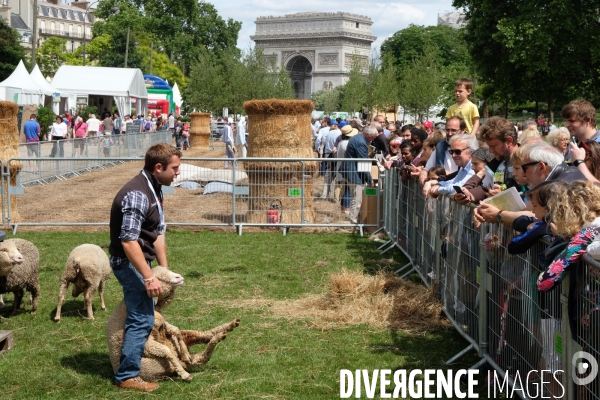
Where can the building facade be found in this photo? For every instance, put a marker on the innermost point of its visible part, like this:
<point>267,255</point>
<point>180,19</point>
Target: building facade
<point>317,48</point>
<point>72,22</point>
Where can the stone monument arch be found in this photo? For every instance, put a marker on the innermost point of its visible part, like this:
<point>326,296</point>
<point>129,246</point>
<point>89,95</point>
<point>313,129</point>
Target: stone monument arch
<point>316,48</point>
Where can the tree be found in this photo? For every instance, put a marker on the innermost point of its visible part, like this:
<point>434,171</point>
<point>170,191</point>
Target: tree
<point>329,100</point>
<point>530,50</point>
<point>52,54</point>
<point>421,85</point>
<point>355,88</point>
<point>11,50</point>
<point>162,66</point>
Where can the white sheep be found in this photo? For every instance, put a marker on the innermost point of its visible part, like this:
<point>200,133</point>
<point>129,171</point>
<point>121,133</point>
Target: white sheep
<point>20,263</point>
<point>167,348</point>
<point>87,268</point>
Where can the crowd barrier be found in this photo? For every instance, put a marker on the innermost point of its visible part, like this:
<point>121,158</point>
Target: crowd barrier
<point>491,297</point>
<point>264,192</point>
<point>78,155</point>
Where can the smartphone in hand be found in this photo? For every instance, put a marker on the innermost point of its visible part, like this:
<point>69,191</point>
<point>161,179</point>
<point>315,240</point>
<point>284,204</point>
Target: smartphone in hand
<point>457,189</point>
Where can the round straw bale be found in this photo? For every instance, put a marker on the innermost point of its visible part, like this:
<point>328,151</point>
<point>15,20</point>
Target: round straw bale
<point>280,129</point>
<point>9,148</point>
<point>200,130</point>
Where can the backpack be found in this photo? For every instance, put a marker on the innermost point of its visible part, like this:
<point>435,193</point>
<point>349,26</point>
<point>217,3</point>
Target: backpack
<point>148,125</point>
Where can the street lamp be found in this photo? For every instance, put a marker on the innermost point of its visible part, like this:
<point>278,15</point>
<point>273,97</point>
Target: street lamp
<point>115,11</point>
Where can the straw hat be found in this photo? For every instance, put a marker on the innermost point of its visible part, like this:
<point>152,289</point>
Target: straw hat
<point>349,131</point>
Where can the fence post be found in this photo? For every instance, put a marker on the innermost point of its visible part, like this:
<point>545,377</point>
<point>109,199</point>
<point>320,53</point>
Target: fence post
<point>567,339</point>
<point>483,291</point>
<point>233,186</point>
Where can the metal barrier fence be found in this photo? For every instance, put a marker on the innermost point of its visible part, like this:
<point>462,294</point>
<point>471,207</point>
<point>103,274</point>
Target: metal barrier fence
<point>491,296</point>
<point>44,162</point>
<point>263,192</point>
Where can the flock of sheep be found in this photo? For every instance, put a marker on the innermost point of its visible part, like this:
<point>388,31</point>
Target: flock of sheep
<point>88,268</point>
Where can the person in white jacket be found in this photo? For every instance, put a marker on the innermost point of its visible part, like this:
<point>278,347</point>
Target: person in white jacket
<point>228,139</point>
<point>240,138</point>
<point>58,133</point>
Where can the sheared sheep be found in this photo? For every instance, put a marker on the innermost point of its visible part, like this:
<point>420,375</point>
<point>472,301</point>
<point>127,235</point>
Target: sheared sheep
<point>87,268</point>
<point>20,259</point>
<point>167,348</point>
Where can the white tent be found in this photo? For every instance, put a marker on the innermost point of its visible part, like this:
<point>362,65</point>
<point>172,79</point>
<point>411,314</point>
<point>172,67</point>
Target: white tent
<point>21,89</point>
<point>122,83</point>
<point>177,96</point>
<point>38,78</point>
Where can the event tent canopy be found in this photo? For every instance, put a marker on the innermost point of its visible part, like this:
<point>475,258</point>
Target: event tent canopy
<point>122,83</point>
<point>21,88</point>
<point>38,78</point>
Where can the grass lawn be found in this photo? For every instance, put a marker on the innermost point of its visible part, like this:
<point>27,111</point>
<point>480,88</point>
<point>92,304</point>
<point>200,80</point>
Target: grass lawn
<point>226,276</point>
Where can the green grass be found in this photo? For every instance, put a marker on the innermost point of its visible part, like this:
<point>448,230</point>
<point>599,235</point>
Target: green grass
<point>267,357</point>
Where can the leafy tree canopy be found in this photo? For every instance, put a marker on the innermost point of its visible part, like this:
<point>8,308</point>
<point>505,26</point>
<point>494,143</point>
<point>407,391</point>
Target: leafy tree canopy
<point>11,50</point>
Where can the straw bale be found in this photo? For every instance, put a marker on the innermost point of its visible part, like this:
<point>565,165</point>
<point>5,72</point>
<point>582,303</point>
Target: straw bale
<point>380,301</point>
<point>279,107</point>
<point>9,148</point>
<point>200,130</point>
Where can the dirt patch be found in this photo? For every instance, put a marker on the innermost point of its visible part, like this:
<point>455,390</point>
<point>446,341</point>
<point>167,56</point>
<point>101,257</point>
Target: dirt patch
<point>87,198</point>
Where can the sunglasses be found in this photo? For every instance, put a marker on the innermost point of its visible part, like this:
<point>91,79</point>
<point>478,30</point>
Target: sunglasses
<point>456,151</point>
<point>529,164</point>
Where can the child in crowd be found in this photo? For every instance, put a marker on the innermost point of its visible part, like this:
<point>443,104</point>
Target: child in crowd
<point>483,175</point>
<point>435,172</point>
<point>106,143</point>
<point>463,107</point>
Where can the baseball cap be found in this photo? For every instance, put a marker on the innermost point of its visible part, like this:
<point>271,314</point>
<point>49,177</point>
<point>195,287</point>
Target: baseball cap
<point>427,124</point>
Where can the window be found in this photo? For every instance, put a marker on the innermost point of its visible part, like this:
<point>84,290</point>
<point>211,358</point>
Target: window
<point>43,25</point>
<point>52,26</point>
<point>70,29</point>
<point>358,25</point>
<point>62,28</point>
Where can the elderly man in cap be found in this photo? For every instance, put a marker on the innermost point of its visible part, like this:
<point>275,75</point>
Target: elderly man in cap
<point>329,152</point>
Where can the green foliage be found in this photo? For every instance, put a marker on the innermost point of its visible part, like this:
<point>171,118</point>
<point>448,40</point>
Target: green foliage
<point>94,49</point>
<point>45,117</point>
<point>421,84</point>
<point>11,50</point>
<point>355,88</point>
<point>52,54</point>
<point>329,100</point>
<point>185,28</point>
<point>532,51</point>
<point>162,66</point>
<point>87,110</point>
<point>229,81</point>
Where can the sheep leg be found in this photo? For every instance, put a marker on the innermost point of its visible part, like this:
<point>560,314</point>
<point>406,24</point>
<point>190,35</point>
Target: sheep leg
<point>101,292</point>
<point>204,357</point>
<point>34,292</point>
<point>18,298</point>
<point>1,301</point>
<point>175,335</point>
<point>158,350</point>
<point>195,337</point>
<point>88,295</point>
<point>61,298</point>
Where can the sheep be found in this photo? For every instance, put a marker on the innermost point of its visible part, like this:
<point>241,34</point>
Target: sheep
<point>22,261</point>
<point>167,348</point>
<point>87,268</point>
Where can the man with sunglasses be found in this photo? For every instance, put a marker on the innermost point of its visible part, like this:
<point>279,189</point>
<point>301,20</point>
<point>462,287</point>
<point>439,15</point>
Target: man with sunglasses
<point>454,126</point>
<point>461,148</point>
<point>542,163</point>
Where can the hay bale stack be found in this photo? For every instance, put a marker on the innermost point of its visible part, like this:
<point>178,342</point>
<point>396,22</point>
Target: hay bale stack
<point>280,129</point>
<point>9,148</point>
<point>200,130</point>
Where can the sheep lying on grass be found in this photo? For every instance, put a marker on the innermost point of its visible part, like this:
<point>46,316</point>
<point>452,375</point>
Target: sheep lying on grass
<point>167,348</point>
<point>87,268</point>
<point>21,259</point>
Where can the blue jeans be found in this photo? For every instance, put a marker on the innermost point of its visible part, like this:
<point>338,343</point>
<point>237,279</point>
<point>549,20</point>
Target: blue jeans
<point>139,322</point>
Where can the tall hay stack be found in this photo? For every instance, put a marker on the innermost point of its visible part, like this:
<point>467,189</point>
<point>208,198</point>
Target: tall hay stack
<point>9,148</point>
<point>279,129</point>
<point>200,130</point>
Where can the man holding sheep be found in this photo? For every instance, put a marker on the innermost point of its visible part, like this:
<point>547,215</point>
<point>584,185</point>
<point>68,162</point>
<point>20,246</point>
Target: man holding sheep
<point>137,230</point>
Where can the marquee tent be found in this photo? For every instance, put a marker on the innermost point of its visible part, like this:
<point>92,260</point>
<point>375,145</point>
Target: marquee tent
<point>38,78</point>
<point>21,89</point>
<point>121,83</point>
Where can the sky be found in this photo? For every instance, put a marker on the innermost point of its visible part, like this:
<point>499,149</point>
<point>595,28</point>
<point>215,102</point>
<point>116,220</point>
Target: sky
<point>388,16</point>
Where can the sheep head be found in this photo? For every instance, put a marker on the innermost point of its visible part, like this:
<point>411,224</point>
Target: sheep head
<point>9,256</point>
<point>169,281</point>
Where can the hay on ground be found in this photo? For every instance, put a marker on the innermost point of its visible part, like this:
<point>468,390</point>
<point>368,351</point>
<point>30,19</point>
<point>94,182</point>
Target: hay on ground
<point>380,301</point>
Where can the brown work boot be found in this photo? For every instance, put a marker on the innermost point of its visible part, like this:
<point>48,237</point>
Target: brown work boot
<point>138,383</point>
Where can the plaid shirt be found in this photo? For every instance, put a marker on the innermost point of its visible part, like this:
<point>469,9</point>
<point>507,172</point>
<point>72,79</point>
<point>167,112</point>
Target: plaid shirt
<point>135,206</point>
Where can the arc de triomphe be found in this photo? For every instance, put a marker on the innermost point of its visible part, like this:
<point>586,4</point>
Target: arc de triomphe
<point>316,48</point>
